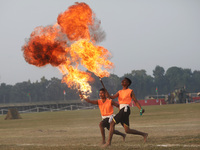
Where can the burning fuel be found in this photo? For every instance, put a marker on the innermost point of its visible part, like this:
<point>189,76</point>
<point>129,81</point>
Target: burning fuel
<point>71,43</point>
<point>46,45</point>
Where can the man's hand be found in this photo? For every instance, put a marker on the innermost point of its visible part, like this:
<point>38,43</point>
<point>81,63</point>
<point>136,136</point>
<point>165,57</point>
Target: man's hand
<point>81,96</point>
<point>141,111</point>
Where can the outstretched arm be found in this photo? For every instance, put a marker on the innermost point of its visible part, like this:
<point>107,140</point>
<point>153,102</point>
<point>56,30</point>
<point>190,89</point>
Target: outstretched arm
<point>88,100</point>
<point>112,97</point>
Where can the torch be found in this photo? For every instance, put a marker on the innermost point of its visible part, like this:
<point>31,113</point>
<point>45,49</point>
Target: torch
<point>102,82</point>
<point>107,94</point>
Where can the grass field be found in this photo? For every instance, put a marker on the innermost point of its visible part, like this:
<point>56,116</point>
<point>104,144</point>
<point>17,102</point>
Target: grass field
<point>169,126</point>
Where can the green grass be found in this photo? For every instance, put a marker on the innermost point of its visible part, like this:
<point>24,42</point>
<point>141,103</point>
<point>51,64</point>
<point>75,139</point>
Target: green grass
<point>174,126</point>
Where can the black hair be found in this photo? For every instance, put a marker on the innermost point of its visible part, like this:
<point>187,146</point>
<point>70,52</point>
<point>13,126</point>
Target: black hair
<point>102,89</point>
<point>128,80</point>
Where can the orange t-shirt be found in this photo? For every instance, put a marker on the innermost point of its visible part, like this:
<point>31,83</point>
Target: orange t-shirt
<point>125,96</point>
<point>106,108</point>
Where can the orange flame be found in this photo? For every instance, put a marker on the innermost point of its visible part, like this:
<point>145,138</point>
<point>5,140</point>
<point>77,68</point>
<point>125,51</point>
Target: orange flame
<point>92,57</point>
<point>45,46</point>
<point>74,22</point>
<point>70,44</point>
<point>76,79</point>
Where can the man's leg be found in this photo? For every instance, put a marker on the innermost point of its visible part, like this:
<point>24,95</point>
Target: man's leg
<point>133,131</point>
<point>111,131</point>
<point>102,132</point>
<point>120,133</point>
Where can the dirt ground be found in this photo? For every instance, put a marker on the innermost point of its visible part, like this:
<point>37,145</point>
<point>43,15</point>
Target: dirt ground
<point>174,127</point>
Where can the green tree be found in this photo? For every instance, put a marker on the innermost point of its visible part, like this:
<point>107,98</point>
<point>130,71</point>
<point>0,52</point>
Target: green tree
<point>160,80</point>
<point>195,82</point>
<point>5,93</point>
<point>19,92</point>
<point>174,77</point>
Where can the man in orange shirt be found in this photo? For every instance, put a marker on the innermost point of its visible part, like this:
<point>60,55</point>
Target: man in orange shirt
<point>106,109</point>
<point>125,97</point>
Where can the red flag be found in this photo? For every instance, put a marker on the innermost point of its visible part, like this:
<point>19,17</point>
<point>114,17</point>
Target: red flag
<point>64,92</point>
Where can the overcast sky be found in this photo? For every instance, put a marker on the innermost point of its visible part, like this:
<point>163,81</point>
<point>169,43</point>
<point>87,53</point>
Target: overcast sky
<point>140,34</point>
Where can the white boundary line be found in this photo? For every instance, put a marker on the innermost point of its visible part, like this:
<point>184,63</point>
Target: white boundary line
<point>96,145</point>
<point>177,145</point>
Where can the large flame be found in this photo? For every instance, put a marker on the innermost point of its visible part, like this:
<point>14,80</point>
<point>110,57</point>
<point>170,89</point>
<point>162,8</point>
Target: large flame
<point>92,57</point>
<point>76,78</point>
<point>75,21</point>
<point>45,46</point>
<point>69,44</point>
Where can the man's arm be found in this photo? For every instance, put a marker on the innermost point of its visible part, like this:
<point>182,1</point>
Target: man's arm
<point>92,102</point>
<point>136,102</point>
<point>95,102</point>
<point>115,104</point>
<point>112,97</point>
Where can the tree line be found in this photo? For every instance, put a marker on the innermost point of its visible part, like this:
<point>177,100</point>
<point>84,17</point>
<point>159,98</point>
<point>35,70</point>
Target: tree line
<point>143,85</point>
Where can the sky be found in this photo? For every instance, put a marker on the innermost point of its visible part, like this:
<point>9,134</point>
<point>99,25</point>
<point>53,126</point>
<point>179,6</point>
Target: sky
<point>140,34</point>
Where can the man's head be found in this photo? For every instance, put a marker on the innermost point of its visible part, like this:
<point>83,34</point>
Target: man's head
<point>102,93</point>
<point>126,82</point>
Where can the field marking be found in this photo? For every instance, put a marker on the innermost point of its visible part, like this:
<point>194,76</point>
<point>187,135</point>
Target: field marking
<point>177,145</point>
<point>99,145</point>
<point>30,144</point>
<point>52,145</point>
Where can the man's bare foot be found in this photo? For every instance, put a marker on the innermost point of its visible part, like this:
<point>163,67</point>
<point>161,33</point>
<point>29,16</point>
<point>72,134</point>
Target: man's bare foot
<point>106,145</point>
<point>102,143</point>
<point>145,137</point>
<point>124,136</point>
